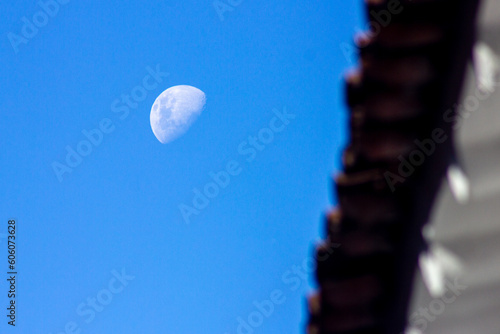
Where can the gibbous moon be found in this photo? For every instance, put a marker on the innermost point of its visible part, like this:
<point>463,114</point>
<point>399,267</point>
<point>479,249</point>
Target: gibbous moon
<point>175,110</point>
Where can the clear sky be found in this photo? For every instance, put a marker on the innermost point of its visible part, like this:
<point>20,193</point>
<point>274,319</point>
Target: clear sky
<point>102,245</point>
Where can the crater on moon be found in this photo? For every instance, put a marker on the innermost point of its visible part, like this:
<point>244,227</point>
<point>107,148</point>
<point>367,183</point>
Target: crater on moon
<point>175,110</point>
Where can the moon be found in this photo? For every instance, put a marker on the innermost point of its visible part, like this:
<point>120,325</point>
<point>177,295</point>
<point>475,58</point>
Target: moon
<point>175,110</point>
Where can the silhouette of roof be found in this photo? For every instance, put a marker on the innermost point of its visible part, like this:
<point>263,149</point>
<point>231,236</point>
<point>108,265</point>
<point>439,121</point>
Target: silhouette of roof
<point>402,109</point>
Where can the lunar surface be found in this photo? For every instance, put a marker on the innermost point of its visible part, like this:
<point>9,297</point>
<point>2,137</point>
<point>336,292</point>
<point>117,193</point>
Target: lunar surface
<point>175,110</point>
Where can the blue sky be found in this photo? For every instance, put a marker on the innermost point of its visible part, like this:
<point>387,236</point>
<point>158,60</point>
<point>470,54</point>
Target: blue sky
<point>104,248</point>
